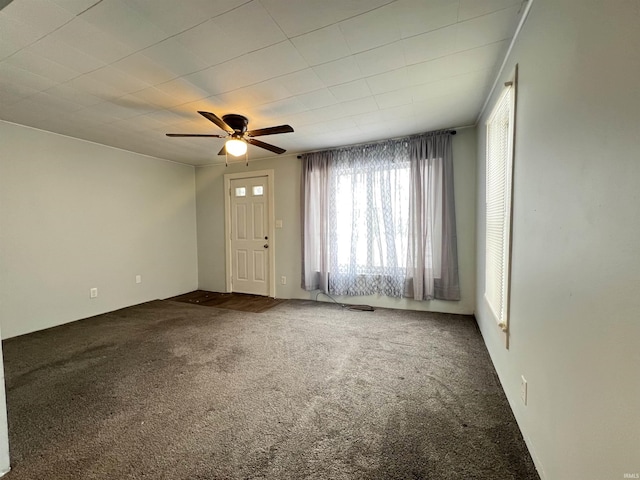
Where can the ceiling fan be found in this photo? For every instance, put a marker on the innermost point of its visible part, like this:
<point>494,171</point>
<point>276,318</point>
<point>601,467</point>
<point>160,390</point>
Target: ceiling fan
<point>237,134</point>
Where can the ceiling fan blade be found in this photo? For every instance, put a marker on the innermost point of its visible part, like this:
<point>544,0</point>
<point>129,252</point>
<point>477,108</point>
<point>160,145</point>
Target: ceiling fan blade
<point>266,146</point>
<point>270,131</point>
<point>223,150</point>
<point>194,135</point>
<point>218,121</point>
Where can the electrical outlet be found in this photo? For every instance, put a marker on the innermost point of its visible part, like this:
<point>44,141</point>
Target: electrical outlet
<point>523,389</point>
<point>283,280</point>
<point>138,278</point>
<point>93,293</point>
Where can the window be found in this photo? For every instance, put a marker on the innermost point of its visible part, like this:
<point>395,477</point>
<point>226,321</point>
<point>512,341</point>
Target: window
<point>369,222</point>
<point>241,192</point>
<point>380,219</point>
<point>257,190</point>
<point>499,165</point>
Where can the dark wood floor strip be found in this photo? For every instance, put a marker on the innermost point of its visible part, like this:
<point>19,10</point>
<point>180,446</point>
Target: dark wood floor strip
<point>232,301</point>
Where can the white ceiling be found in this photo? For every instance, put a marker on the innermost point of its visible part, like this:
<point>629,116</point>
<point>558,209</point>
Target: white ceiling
<point>125,72</point>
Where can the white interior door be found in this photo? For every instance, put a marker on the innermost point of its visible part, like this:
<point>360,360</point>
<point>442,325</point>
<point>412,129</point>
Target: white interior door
<point>250,235</point>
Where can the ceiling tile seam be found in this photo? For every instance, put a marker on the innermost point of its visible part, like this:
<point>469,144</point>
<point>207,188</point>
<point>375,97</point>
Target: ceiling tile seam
<point>346,115</point>
<point>454,53</point>
<point>88,8</point>
<point>275,21</point>
<point>112,64</point>
<point>39,38</point>
<point>248,86</point>
<point>442,27</point>
<point>354,53</point>
<point>387,44</point>
<point>413,102</point>
<point>18,67</point>
<point>226,11</point>
<point>491,12</point>
<point>343,20</point>
<point>193,26</point>
<point>64,67</point>
<point>457,23</point>
<point>426,61</point>
<point>350,52</point>
<point>105,32</point>
<point>197,71</point>
<point>333,95</point>
<point>520,9</point>
<point>288,39</point>
<point>141,51</point>
<point>375,99</point>
<point>37,92</point>
<point>226,62</point>
<point>404,57</point>
<point>80,74</point>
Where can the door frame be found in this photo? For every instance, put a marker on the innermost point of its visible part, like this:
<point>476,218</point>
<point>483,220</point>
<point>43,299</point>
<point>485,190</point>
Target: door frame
<point>270,216</point>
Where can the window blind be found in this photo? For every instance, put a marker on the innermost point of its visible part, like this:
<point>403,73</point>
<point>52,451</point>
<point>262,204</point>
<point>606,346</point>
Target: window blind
<point>498,204</point>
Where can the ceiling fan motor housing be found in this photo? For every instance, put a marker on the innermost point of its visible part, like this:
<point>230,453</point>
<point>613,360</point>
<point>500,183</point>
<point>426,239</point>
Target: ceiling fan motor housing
<point>237,122</point>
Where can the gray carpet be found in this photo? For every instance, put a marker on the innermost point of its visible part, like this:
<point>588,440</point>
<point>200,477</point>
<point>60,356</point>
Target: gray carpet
<point>167,390</point>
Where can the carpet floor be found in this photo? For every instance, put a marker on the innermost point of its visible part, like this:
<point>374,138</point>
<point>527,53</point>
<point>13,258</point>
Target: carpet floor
<point>168,390</point>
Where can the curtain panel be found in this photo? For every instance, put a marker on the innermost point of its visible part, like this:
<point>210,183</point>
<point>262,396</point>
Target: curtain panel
<point>380,219</point>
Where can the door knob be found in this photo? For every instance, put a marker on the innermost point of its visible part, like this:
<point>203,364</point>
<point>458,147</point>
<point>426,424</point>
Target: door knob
<point>266,246</point>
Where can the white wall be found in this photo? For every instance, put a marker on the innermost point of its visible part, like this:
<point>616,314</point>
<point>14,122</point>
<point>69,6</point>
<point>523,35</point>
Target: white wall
<point>5,464</point>
<point>287,170</point>
<point>76,215</point>
<point>574,329</point>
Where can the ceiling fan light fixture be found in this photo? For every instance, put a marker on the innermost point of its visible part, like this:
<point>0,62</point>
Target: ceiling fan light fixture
<point>237,135</point>
<point>236,147</point>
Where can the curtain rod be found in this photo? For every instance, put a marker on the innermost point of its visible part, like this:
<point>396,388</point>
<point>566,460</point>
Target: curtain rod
<point>452,132</point>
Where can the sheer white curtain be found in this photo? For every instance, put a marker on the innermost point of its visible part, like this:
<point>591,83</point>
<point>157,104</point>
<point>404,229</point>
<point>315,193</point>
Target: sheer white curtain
<point>368,219</point>
<point>375,218</point>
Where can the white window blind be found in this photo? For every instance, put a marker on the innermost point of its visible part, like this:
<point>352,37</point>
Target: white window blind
<point>498,205</point>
